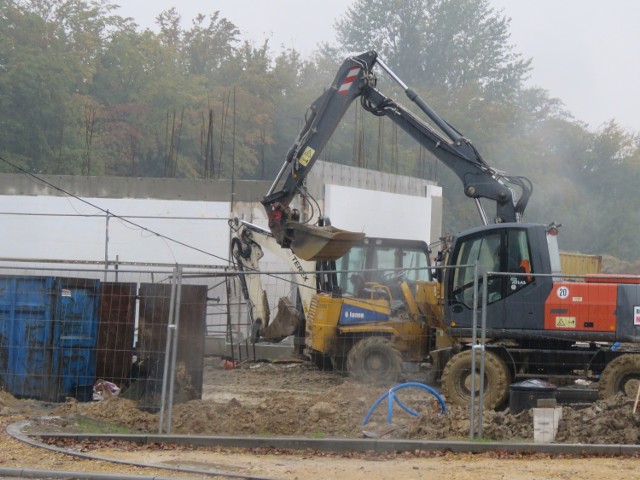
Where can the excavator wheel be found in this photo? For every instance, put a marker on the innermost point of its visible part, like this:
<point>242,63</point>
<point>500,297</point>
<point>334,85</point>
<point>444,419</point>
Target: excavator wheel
<point>456,380</point>
<point>621,375</point>
<point>374,360</point>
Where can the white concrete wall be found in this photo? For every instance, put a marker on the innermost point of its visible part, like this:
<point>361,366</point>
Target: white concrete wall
<point>59,228</point>
<point>380,204</point>
<point>380,214</point>
<point>40,223</point>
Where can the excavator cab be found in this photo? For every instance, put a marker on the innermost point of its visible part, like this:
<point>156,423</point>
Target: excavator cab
<point>383,261</point>
<point>514,256</point>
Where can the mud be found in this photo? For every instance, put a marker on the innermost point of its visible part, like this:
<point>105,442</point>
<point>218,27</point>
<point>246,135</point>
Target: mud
<point>295,399</point>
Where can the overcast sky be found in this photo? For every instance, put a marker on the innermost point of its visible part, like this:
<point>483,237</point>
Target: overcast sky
<point>584,52</point>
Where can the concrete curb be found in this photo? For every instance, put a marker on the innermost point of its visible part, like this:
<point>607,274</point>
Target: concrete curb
<point>354,445</point>
<point>32,473</point>
<point>16,431</point>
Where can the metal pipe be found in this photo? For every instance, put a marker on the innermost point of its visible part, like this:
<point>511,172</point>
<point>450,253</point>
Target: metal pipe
<point>106,246</point>
<point>278,177</point>
<point>174,352</point>
<point>474,334</point>
<point>483,214</point>
<point>167,348</point>
<point>483,340</point>
<point>415,98</point>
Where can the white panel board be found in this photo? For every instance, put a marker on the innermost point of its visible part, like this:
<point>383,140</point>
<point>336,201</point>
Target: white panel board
<point>379,214</point>
<point>59,228</point>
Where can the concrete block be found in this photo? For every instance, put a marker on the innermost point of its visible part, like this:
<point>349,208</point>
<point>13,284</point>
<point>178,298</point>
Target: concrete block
<point>545,424</point>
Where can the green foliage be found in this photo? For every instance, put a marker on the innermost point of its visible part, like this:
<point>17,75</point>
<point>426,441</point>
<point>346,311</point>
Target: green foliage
<point>85,91</point>
<point>449,43</point>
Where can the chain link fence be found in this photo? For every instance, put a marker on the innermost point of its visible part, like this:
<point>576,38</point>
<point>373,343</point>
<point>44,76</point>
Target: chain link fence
<point>144,333</point>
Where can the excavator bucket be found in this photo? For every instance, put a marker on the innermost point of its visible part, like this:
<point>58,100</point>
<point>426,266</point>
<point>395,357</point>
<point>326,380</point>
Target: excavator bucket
<point>314,243</point>
<point>285,323</point>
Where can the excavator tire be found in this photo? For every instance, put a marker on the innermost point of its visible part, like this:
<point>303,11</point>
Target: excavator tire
<point>374,360</point>
<point>621,375</point>
<point>456,380</point>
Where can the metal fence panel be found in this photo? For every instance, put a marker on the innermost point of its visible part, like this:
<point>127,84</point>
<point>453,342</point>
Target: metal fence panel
<point>116,331</point>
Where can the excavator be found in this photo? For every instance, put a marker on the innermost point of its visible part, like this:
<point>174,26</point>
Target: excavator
<point>537,322</point>
<point>365,294</point>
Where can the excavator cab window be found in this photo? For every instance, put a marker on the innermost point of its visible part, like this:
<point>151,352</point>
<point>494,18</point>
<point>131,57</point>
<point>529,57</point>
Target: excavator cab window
<point>416,263</point>
<point>483,250</point>
<point>518,260</point>
<point>384,261</point>
<point>498,251</point>
<point>351,271</point>
<point>396,264</point>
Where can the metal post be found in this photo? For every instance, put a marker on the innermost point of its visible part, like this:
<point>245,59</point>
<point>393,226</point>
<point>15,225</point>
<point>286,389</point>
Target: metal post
<point>167,349</point>
<point>483,340</point>
<point>229,326</point>
<point>474,335</point>
<point>106,246</point>
<point>117,266</point>
<point>174,353</point>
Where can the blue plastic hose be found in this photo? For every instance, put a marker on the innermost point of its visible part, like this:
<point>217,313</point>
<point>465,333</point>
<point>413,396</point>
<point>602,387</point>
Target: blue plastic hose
<point>391,395</point>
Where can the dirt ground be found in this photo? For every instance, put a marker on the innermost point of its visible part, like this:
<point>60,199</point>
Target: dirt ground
<point>295,399</point>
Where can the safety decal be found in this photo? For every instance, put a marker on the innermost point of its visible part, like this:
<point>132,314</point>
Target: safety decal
<point>563,292</point>
<point>565,322</point>
<point>636,315</point>
<point>351,76</point>
<point>306,156</point>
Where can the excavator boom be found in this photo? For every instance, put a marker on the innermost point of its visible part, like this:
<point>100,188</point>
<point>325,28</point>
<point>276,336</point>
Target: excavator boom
<point>356,79</point>
<point>315,242</point>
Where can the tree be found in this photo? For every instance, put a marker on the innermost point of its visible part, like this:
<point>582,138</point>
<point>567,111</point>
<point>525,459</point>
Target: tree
<point>450,43</point>
<point>207,47</point>
<point>51,52</point>
<point>394,28</point>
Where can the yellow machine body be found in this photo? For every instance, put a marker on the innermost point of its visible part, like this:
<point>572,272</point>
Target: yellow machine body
<point>334,324</point>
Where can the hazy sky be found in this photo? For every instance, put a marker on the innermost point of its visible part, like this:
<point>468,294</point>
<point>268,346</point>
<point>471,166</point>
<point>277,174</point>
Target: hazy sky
<point>584,51</point>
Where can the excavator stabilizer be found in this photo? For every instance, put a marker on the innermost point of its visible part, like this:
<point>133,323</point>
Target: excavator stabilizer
<point>314,243</point>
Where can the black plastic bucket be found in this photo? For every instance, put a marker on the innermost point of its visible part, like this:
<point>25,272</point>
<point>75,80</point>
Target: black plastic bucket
<point>525,395</point>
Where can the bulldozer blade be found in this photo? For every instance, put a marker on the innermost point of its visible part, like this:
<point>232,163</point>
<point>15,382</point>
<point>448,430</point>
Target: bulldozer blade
<point>285,323</point>
<point>314,243</point>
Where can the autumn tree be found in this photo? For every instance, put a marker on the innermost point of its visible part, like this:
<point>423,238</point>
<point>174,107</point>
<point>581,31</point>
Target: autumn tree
<point>438,43</point>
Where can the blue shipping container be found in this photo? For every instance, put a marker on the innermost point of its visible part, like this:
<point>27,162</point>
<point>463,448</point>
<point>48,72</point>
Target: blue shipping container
<point>48,333</point>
